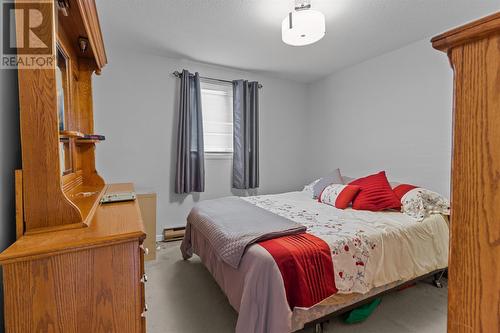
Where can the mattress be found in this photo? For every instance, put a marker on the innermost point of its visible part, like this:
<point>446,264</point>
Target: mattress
<point>371,251</point>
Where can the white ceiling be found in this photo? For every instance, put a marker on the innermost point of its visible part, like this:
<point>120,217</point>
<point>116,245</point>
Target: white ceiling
<point>246,34</point>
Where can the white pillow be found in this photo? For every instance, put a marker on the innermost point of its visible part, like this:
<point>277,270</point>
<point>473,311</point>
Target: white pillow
<point>420,203</point>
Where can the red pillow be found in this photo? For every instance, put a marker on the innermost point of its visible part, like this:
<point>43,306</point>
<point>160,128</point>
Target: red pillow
<point>402,189</point>
<point>338,195</point>
<point>376,194</point>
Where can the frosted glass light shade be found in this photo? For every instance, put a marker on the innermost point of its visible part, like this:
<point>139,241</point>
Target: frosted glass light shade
<point>308,26</point>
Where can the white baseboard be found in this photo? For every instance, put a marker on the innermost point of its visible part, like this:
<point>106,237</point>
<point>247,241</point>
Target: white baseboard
<point>159,238</point>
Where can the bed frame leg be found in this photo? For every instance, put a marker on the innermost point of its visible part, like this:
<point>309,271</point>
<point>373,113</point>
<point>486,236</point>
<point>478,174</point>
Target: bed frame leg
<point>437,279</point>
<point>318,328</point>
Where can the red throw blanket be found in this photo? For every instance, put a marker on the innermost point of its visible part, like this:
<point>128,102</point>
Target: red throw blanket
<point>305,263</point>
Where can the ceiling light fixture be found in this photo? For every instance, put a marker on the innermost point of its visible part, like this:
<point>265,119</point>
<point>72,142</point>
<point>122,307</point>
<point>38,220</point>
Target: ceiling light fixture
<point>303,26</point>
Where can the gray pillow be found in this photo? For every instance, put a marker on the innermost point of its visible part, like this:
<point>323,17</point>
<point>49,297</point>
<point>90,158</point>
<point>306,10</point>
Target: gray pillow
<point>347,180</point>
<point>334,178</point>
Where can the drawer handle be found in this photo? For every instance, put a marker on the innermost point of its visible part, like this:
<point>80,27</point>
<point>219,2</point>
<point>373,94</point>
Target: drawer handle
<point>145,249</point>
<point>144,278</point>
<point>143,314</point>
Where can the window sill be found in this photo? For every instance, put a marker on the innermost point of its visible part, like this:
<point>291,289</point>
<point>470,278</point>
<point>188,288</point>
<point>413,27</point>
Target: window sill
<point>219,156</point>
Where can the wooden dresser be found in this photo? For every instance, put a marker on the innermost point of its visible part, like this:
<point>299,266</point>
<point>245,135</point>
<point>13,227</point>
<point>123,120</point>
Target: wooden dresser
<point>77,265</point>
<point>474,263</point>
<point>79,280</point>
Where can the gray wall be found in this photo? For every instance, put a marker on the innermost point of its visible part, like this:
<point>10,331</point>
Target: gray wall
<point>135,107</point>
<point>11,155</point>
<point>389,113</point>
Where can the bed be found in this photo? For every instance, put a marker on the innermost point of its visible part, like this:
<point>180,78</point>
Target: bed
<point>372,252</point>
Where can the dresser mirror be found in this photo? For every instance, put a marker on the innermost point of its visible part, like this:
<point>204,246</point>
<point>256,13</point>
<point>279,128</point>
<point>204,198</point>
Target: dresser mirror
<point>63,110</point>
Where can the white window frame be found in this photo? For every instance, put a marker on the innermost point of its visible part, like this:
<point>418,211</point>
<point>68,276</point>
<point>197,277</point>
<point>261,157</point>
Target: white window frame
<point>213,155</point>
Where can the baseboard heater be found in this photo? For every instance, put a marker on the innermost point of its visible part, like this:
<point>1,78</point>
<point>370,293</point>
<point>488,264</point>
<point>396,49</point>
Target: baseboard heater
<point>173,234</point>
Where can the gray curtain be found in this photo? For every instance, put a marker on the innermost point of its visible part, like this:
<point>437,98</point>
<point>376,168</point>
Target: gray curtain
<point>190,167</point>
<point>246,134</point>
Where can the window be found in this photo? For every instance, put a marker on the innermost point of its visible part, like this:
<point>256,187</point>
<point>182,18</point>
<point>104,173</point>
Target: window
<point>217,109</point>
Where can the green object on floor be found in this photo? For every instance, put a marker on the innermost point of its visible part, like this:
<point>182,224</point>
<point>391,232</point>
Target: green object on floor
<point>360,314</point>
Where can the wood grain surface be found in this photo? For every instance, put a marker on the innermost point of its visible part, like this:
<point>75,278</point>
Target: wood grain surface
<point>467,33</point>
<point>474,263</point>
<point>112,222</point>
<point>46,202</point>
<point>45,205</point>
<point>90,19</point>
<point>91,290</point>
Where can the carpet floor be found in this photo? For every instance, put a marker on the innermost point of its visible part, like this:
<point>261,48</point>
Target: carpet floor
<point>182,297</point>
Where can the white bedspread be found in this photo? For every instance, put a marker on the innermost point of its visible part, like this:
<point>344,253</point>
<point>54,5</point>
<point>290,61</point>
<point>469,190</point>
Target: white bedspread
<point>368,250</point>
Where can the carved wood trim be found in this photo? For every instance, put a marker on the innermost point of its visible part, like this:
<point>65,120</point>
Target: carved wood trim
<point>90,19</point>
<point>466,33</point>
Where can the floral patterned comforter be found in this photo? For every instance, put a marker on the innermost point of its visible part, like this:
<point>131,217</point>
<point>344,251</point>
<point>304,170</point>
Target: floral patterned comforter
<point>369,249</point>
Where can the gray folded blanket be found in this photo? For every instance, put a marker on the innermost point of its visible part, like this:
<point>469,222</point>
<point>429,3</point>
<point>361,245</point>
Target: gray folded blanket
<point>232,224</point>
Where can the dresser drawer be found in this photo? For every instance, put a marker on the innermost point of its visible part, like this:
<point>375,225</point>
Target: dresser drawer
<point>95,289</point>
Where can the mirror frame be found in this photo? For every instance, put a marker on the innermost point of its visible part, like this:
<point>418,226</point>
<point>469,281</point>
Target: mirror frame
<point>67,98</point>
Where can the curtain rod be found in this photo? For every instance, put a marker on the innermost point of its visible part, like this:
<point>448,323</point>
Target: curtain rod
<point>179,74</point>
